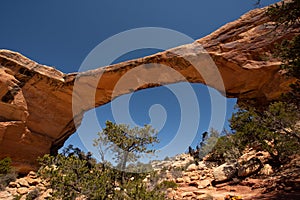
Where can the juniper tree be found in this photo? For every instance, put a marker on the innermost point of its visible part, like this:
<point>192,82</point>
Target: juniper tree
<point>125,143</point>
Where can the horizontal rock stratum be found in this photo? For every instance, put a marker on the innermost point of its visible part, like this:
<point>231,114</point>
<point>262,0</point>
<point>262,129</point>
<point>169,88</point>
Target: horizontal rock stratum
<point>36,115</point>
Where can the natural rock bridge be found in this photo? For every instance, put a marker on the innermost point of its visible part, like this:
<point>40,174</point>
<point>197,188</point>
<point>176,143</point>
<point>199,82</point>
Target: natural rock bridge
<point>36,115</point>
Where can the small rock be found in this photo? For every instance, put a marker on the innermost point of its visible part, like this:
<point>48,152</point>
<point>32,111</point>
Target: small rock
<point>169,176</point>
<point>193,184</point>
<point>204,196</point>
<point>185,173</point>
<point>12,191</point>
<point>266,170</point>
<point>32,188</point>
<point>13,185</point>
<point>196,192</point>
<point>42,188</point>
<point>46,194</point>
<point>145,180</point>
<point>192,167</point>
<point>22,190</point>
<point>179,180</point>
<point>32,181</point>
<point>187,194</point>
<point>186,179</point>
<point>171,195</point>
<point>203,184</point>
<point>5,195</point>
<point>250,182</point>
<point>201,165</point>
<point>32,174</point>
<point>202,177</point>
<point>23,197</point>
<point>22,182</point>
<point>193,178</point>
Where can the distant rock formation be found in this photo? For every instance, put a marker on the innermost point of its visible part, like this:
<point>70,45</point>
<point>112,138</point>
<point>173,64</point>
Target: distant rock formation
<point>36,115</point>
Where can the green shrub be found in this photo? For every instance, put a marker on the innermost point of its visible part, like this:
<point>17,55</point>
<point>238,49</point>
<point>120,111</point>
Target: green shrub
<point>33,194</point>
<point>5,166</point>
<point>5,179</point>
<point>177,172</point>
<point>166,184</point>
<point>7,173</point>
<point>17,197</point>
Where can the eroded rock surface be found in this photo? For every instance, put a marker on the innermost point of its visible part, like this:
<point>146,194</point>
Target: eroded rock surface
<point>36,115</point>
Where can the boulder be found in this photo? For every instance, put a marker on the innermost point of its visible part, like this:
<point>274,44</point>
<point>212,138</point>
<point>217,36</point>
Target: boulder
<point>263,156</point>
<point>249,167</point>
<point>224,172</point>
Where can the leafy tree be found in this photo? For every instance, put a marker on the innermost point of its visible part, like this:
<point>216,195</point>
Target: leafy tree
<point>125,143</point>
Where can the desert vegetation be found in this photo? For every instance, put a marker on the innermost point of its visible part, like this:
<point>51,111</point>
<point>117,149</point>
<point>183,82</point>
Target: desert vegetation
<point>75,174</point>
<point>7,173</point>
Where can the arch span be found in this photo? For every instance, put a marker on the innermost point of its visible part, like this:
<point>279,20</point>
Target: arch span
<point>36,114</point>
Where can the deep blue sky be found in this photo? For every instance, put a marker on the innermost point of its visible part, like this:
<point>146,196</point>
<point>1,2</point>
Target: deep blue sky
<point>61,34</point>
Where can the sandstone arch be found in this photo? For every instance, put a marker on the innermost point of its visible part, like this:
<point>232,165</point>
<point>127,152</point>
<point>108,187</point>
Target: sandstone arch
<point>36,101</point>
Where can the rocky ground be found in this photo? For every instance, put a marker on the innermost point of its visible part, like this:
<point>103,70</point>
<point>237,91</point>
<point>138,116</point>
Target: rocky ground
<point>253,179</point>
<point>31,185</point>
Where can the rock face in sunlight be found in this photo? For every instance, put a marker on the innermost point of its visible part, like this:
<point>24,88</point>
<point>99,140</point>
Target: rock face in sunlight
<point>36,114</point>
